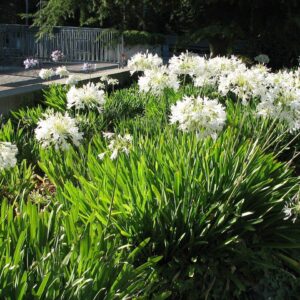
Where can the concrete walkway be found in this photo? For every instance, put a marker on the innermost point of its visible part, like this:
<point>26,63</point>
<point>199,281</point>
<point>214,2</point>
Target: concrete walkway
<point>21,87</point>
<point>13,77</point>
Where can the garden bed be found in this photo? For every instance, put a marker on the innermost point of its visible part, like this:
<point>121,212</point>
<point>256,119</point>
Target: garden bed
<point>183,186</point>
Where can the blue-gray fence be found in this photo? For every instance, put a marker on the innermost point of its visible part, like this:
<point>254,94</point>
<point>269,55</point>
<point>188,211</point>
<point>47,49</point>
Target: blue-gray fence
<point>77,43</point>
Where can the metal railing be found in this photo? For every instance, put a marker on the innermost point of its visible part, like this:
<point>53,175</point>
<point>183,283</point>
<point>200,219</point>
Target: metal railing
<point>77,43</point>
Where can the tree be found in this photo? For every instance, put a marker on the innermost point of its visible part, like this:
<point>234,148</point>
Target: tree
<point>272,26</point>
<point>221,22</point>
<point>148,15</point>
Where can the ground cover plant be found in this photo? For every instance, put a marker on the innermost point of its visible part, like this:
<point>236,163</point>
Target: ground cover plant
<point>183,186</point>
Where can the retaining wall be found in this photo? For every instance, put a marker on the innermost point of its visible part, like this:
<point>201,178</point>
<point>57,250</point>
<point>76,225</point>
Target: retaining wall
<point>30,95</point>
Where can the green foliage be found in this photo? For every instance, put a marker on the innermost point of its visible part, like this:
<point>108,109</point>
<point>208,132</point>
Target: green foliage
<point>206,206</point>
<point>48,255</point>
<point>190,218</point>
<point>135,37</point>
<point>55,97</point>
<point>27,118</point>
<point>21,133</point>
<point>124,104</point>
<point>17,183</point>
<point>52,13</point>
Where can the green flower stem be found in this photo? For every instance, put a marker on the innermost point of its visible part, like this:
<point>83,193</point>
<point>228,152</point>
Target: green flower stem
<point>113,194</point>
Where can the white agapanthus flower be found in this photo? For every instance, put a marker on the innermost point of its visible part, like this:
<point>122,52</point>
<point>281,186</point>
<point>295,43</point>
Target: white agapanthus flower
<point>157,80</point>
<point>72,79</point>
<point>100,85</point>
<point>117,144</point>
<point>267,109</point>
<point>262,58</point>
<point>109,80</point>
<point>204,116</point>
<point>143,62</point>
<point>58,130</point>
<point>112,81</point>
<point>291,209</point>
<point>62,72</point>
<point>89,96</point>
<point>187,64</point>
<point>104,78</point>
<point>30,63</point>
<point>216,67</point>
<point>244,83</point>
<point>87,67</point>
<point>282,99</point>
<point>57,55</point>
<point>8,152</point>
<point>46,73</point>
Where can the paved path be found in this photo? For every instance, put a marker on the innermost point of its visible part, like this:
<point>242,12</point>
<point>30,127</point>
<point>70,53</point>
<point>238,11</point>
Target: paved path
<point>12,78</point>
<point>21,88</point>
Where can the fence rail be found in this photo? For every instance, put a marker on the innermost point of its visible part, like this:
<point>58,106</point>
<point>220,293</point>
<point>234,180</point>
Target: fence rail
<point>77,43</point>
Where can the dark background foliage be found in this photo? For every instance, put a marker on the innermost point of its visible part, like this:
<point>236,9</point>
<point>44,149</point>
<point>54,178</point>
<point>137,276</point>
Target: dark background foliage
<point>269,26</point>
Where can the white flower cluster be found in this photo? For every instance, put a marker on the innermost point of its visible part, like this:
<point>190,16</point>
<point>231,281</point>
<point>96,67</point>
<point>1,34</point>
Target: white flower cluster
<point>186,64</point>
<point>142,62</point>
<point>278,94</point>
<point>72,79</point>
<point>30,63</point>
<point>213,69</point>
<point>8,153</point>
<point>46,73</point>
<point>89,96</point>
<point>292,208</point>
<point>244,83</point>
<point>62,71</point>
<point>117,144</point>
<point>109,80</point>
<point>282,98</point>
<point>204,116</point>
<point>57,55</point>
<point>202,71</point>
<point>88,67</point>
<point>157,80</point>
<point>58,130</point>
